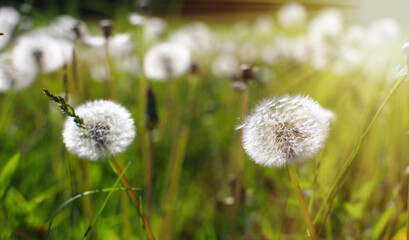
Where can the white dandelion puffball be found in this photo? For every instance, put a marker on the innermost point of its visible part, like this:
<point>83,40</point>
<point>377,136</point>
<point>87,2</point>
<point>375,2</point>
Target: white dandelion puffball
<point>38,53</point>
<point>292,15</point>
<point>166,60</point>
<point>108,130</point>
<point>285,130</point>
<point>9,18</point>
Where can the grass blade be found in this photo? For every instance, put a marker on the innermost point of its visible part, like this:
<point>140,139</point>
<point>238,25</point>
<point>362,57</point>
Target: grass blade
<point>7,173</point>
<point>101,209</point>
<point>60,208</point>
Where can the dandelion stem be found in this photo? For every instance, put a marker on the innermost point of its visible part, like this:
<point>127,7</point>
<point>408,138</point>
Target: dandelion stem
<point>149,191</point>
<point>76,74</point>
<point>176,162</point>
<point>65,82</point>
<point>134,198</point>
<point>111,81</point>
<point>314,184</point>
<point>327,204</point>
<point>303,204</point>
<point>240,164</point>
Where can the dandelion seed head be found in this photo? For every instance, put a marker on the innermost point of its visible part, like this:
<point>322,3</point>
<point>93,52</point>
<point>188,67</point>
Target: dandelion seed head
<point>225,65</point>
<point>166,60</point>
<point>292,15</point>
<point>109,129</point>
<point>10,78</point>
<point>285,130</point>
<point>155,28</point>
<point>136,19</point>
<point>38,53</point>
<point>9,18</point>
<point>67,27</point>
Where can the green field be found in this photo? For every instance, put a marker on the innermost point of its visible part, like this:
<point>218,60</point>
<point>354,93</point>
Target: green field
<point>203,185</point>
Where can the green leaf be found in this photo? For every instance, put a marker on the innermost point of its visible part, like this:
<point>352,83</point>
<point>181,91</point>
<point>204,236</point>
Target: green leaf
<point>6,175</point>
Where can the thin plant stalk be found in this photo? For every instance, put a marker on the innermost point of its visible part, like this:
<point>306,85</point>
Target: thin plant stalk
<point>176,161</point>
<point>126,229</point>
<point>303,204</point>
<point>314,184</point>
<point>76,74</point>
<point>111,79</point>
<point>72,199</point>
<point>134,198</point>
<point>141,108</point>
<point>88,200</point>
<point>149,174</point>
<point>327,204</point>
<point>240,164</point>
<point>65,82</point>
<point>101,209</point>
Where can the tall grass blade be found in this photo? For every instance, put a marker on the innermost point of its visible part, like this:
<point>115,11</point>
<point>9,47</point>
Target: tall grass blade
<point>336,187</point>
<point>61,207</point>
<point>101,209</point>
<point>6,175</point>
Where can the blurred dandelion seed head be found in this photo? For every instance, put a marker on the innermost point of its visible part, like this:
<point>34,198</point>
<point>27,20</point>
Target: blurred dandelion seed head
<point>166,60</point>
<point>36,53</point>
<point>285,130</point>
<point>292,15</point>
<point>9,18</point>
<point>109,129</point>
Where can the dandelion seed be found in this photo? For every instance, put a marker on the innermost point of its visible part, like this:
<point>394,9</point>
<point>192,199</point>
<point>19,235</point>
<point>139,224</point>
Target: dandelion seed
<point>166,60</point>
<point>108,130</point>
<point>285,130</point>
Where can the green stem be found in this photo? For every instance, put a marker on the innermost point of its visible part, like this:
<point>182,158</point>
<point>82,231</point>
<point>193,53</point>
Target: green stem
<point>149,174</point>
<point>303,204</point>
<point>314,184</point>
<point>111,81</point>
<point>339,181</point>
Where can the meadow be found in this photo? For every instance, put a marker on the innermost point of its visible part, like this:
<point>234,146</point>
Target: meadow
<point>188,86</point>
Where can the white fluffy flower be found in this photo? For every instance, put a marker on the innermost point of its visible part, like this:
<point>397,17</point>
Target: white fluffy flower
<point>63,27</point>
<point>109,129</point>
<point>9,18</point>
<point>285,130</point>
<point>11,78</point>
<point>225,65</point>
<point>39,53</point>
<point>155,28</point>
<point>292,15</point>
<point>166,60</point>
